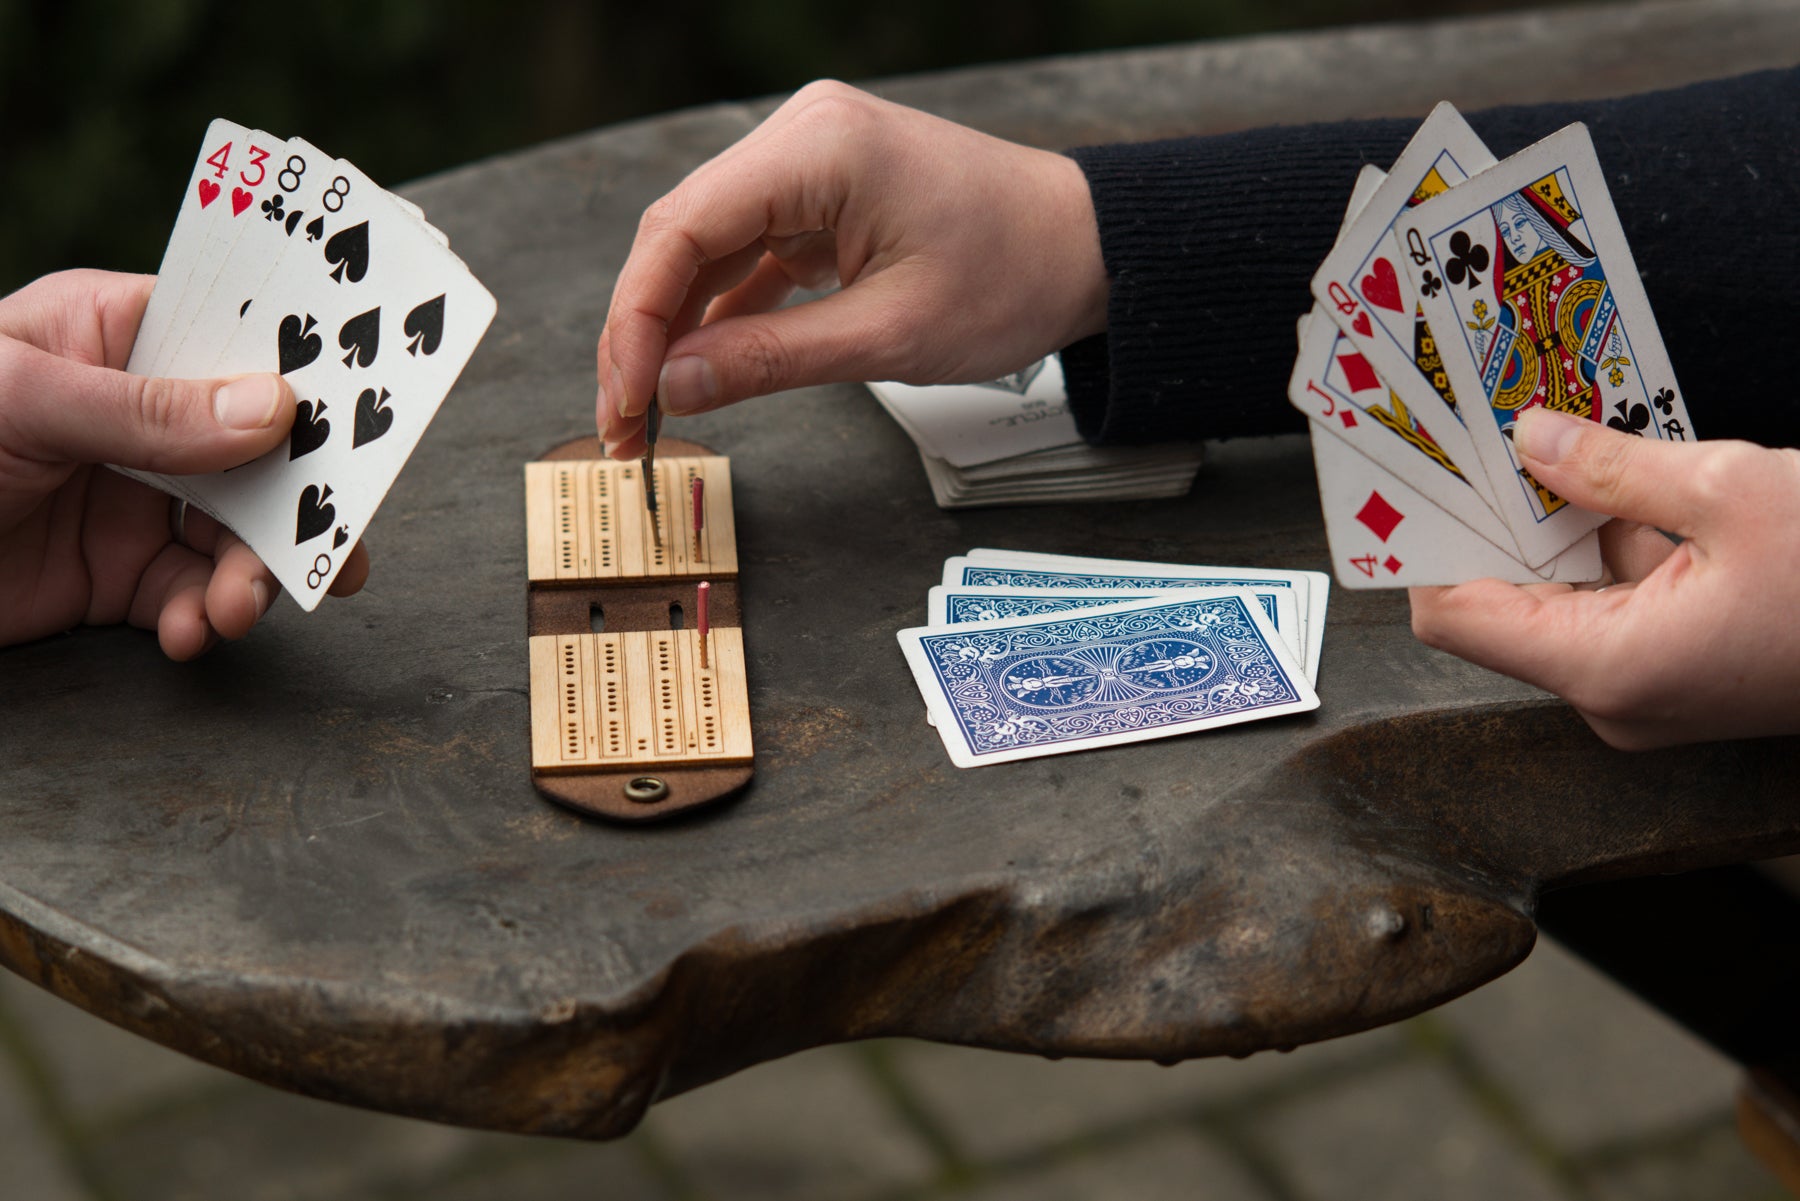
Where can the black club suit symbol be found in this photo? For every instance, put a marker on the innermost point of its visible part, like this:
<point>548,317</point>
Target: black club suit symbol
<point>1466,259</point>
<point>1431,285</point>
<point>272,209</point>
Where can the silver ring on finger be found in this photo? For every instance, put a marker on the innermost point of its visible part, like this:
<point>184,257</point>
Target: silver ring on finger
<point>178,511</point>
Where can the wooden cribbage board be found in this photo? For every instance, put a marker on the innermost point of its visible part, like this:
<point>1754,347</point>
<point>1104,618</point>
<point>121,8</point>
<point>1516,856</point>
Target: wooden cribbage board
<point>625,721</point>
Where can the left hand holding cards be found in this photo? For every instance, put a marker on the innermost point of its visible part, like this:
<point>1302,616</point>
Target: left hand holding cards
<point>1689,642</point>
<point>84,545</point>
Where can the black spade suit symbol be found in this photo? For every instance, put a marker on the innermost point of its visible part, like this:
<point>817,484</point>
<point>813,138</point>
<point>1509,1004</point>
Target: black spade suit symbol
<point>372,419</point>
<point>361,336</point>
<point>349,250</point>
<point>425,326</point>
<point>315,514</point>
<point>296,345</point>
<point>315,229</point>
<point>342,536</point>
<point>310,429</point>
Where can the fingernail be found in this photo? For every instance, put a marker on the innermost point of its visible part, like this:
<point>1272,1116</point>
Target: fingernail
<point>615,390</point>
<point>688,385</point>
<point>260,591</point>
<point>1546,435</point>
<point>603,409</point>
<point>247,403</point>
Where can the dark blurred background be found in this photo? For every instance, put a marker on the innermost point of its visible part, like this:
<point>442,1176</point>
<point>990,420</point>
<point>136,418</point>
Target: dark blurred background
<point>104,101</point>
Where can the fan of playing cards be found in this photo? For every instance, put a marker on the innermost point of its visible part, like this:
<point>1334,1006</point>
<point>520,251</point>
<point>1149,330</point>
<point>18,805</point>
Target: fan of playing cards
<point>285,259</point>
<point>1504,285</point>
<point>1012,441</point>
<point>1034,654</point>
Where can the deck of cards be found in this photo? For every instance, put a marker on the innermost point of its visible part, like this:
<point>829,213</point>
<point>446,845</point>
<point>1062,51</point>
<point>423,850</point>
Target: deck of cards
<point>286,259</point>
<point>1461,292</point>
<point>1012,441</point>
<point>1035,654</point>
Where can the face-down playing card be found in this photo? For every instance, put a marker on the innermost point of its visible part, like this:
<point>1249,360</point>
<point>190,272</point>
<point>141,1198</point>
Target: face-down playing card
<point>1526,272</point>
<point>961,604</point>
<point>1022,687</point>
<point>1030,569</point>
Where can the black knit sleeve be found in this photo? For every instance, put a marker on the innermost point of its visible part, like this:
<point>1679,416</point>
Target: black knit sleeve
<point>1210,243</point>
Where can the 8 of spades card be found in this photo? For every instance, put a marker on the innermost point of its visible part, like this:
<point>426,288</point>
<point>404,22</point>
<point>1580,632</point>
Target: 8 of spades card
<point>315,271</point>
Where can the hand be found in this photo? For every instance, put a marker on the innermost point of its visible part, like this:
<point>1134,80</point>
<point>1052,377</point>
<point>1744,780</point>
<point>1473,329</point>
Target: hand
<point>81,544</point>
<point>1692,641</point>
<point>960,257</point>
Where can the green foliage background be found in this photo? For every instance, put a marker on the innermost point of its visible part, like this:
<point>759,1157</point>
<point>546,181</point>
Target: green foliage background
<point>103,102</point>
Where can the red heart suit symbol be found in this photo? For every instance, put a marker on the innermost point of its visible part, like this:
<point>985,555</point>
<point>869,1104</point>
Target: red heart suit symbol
<point>209,192</point>
<point>240,200</point>
<point>1381,286</point>
<point>1361,324</point>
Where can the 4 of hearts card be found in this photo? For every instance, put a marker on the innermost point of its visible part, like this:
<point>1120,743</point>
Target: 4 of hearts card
<point>285,259</point>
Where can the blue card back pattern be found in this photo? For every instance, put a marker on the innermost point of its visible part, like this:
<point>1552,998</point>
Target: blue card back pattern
<point>1137,673</point>
<point>959,609</point>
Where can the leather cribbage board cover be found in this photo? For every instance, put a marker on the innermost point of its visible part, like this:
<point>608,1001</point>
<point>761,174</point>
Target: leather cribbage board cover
<point>631,717</point>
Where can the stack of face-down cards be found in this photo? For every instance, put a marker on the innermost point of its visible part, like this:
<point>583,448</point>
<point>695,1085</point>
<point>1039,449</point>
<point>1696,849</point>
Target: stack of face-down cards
<point>1012,441</point>
<point>1034,654</point>
<point>1461,292</point>
<point>286,259</point>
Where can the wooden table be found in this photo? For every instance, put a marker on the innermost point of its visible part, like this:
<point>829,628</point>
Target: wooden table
<point>315,857</point>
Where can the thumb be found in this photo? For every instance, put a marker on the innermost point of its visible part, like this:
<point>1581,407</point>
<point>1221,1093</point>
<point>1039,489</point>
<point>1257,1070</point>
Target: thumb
<point>58,410</point>
<point>1606,471</point>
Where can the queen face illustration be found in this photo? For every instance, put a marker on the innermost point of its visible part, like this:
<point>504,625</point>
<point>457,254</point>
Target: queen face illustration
<point>1519,229</point>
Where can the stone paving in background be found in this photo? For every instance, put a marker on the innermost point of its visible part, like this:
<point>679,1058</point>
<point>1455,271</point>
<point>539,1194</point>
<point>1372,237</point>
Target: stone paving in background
<point>1549,1084</point>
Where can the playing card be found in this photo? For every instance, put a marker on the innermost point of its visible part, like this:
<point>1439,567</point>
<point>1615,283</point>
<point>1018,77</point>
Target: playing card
<point>401,317</point>
<point>1365,289</point>
<point>1525,269</point>
<point>948,606</point>
<point>965,424</point>
<point>205,205</point>
<point>337,285</point>
<point>1022,687</point>
<point>1335,385</point>
<point>1025,569</point>
<point>189,346</point>
<point>1385,534</point>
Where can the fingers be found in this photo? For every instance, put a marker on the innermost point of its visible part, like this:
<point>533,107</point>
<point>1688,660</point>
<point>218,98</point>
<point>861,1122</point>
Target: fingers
<point>1632,551</point>
<point>866,332</point>
<point>353,575</point>
<point>1682,487</point>
<point>787,179</point>
<point>1543,634</point>
<point>171,599</point>
<point>60,410</point>
<point>240,590</point>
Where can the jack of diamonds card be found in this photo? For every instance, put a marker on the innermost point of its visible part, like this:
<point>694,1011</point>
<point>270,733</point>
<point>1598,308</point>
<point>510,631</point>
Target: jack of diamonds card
<point>1526,271</point>
<point>1335,386</point>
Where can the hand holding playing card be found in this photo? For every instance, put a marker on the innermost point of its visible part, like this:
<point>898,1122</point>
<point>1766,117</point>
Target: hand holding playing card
<point>80,544</point>
<point>962,258</point>
<point>1691,643</point>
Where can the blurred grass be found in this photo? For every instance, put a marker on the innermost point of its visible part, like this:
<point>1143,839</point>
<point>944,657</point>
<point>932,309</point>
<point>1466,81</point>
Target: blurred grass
<point>103,102</point>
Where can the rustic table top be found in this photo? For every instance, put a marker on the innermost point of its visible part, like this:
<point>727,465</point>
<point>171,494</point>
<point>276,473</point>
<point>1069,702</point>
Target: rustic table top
<point>315,857</point>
